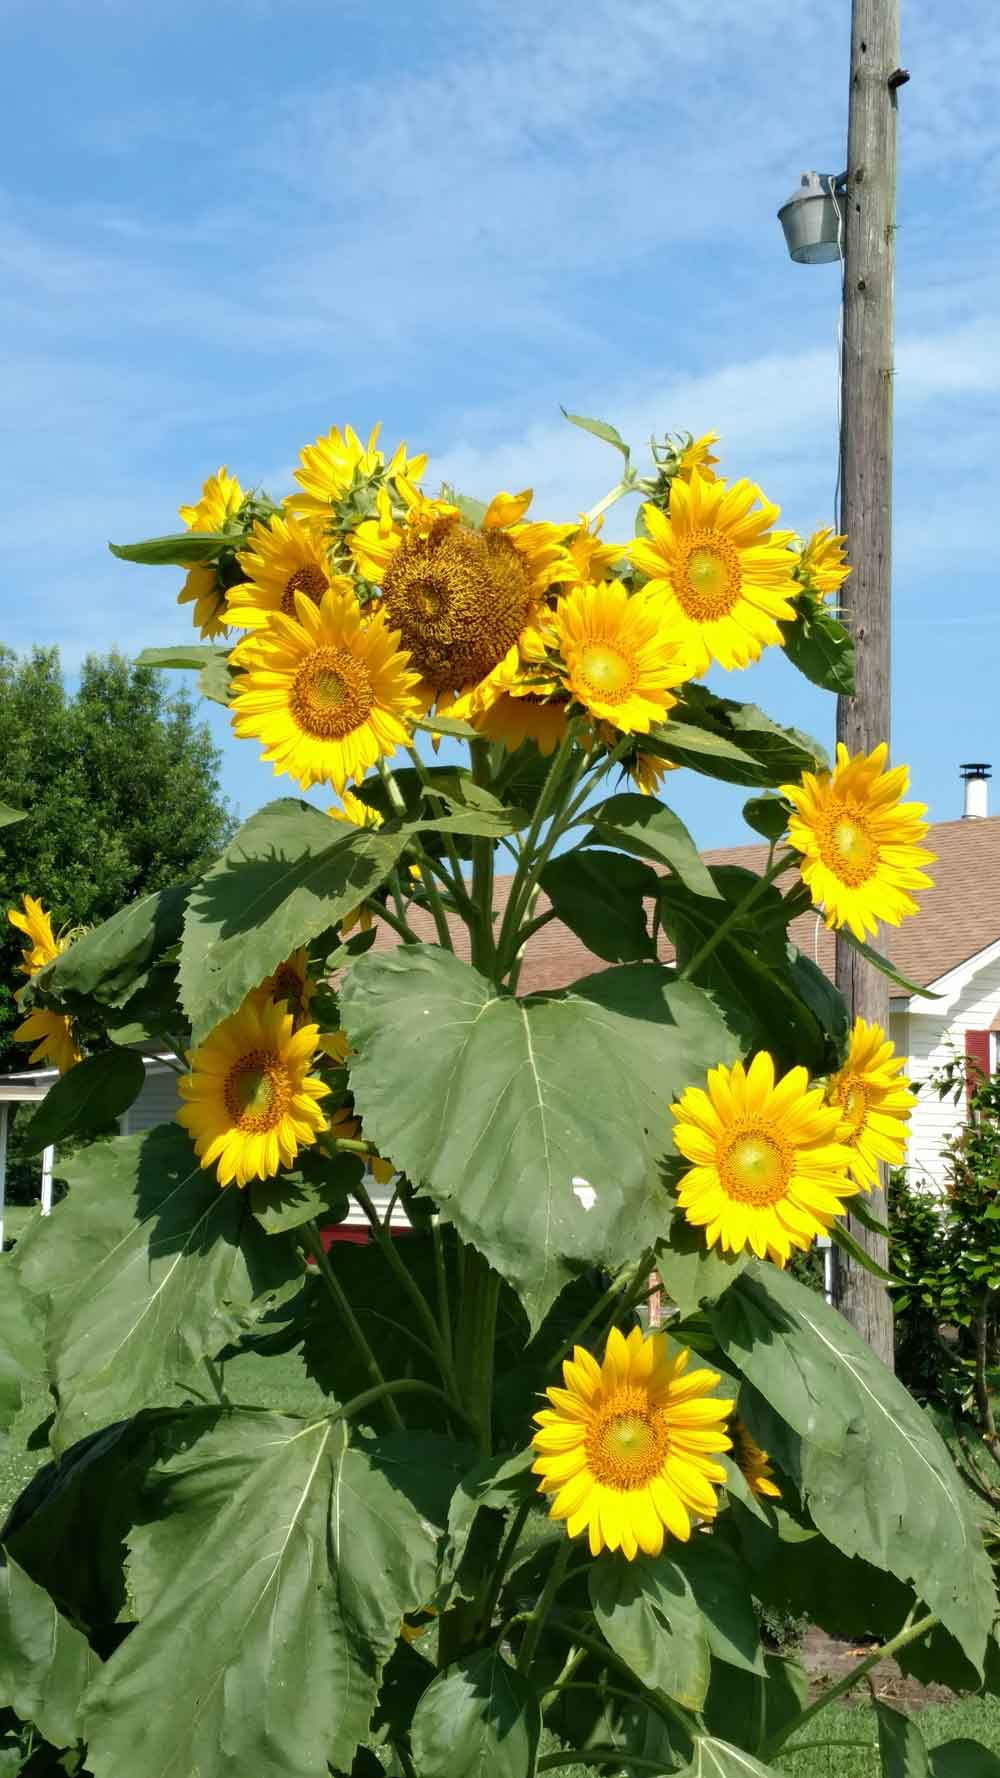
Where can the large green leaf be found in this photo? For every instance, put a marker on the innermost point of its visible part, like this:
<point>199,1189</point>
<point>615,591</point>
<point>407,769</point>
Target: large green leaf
<point>190,654</point>
<point>649,1616</point>
<point>648,829</point>
<point>317,1189</point>
<point>820,647</point>
<point>900,1744</point>
<point>45,1662</point>
<point>110,963</point>
<point>20,1337</point>
<point>875,1473</point>
<point>182,549</point>
<point>478,1716</point>
<point>964,1759</point>
<point>690,1272</point>
<point>599,896</point>
<point>736,742</point>
<point>718,1759</point>
<point>288,875</point>
<point>87,1098</point>
<point>145,1267</point>
<point>270,1613</point>
<point>534,1124</point>
<point>720,1586</point>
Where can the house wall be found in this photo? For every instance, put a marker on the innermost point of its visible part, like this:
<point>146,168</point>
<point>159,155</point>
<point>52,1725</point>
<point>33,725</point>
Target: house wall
<point>157,1102</point>
<point>929,1039</point>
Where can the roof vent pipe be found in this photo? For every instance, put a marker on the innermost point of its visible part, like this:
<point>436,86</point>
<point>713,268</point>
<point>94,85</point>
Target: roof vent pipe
<point>975,776</point>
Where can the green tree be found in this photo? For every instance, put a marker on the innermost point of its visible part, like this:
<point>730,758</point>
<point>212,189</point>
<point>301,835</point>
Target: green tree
<point>121,787</point>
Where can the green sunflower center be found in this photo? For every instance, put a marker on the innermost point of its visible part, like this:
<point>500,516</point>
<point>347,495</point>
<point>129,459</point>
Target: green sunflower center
<point>710,577</point>
<point>257,1091</point>
<point>846,845</point>
<point>332,694</point>
<point>627,1441</point>
<point>755,1166</point>
<point>460,599</point>
<point>607,673</point>
<point>308,579</point>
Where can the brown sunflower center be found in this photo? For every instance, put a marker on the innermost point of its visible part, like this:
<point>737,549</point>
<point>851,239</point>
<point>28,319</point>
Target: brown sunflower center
<point>755,1166</point>
<point>846,844</point>
<point>460,599</point>
<point>608,674</point>
<point>710,578</point>
<point>308,579</point>
<point>332,694</point>
<point>257,1091</point>
<point>627,1440</point>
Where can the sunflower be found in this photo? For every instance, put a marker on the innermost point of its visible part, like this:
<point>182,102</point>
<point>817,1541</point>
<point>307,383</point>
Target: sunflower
<point>53,1036</point>
<point>696,459</point>
<point>592,560</point>
<point>859,842</point>
<point>753,1464</point>
<point>822,567</point>
<point>280,558</point>
<point>330,468</point>
<point>726,577</point>
<point>626,1447</point>
<point>874,1099</point>
<point>769,1168</point>
<point>355,812</point>
<point>36,925</point>
<point>647,772</point>
<point>461,598</point>
<point>327,692</point>
<point>621,655</point>
<point>220,503</point>
<point>290,985</point>
<point>250,1101</point>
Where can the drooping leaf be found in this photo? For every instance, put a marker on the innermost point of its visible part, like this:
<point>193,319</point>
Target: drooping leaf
<point>714,755</point>
<point>449,726</point>
<point>182,549</point>
<point>875,1473</point>
<point>600,429</point>
<point>289,874</point>
<point>720,1586</point>
<point>648,829</point>
<point>272,1615</point>
<point>9,816</point>
<point>384,1313</point>
<point>145,1267</point>
<point>479,1715</point>
<point>199,655</point>
<point>735,742</point>
<point>648,1614</point>
<point>963,1759</point>
<point>45,1662</point>
<point>115,960</point>
<point>534,1124</point>
<point>599,896</point>
<point>819,646</point>
<point>767,815</point>
<point>87,1098</point>
<point>841,1236</point>
<point>900,1744</point>
<point>603,1719</point>
<point>719,1759</point>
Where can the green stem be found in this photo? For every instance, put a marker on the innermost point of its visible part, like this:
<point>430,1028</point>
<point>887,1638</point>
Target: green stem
<point>597,1309</point>
<point>475,1345</point>
<point>733,917</point>
<point>396,797</point>
<point>499,1575</point>
<point>617,493</point>
<point>481,930</point>
<point>536,1620</point>
<point>436,906</point>
<point>533,856</point>
<point>909,1633</point>
<point>658,1702</point>
<point>441,1280</point>
<point>311,1238</point>
<point>406,933</point>
<point>396,1386</point>
<point>411,1287</point>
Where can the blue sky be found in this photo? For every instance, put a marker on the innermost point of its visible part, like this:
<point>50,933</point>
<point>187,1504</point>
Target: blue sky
<point>224,229</point>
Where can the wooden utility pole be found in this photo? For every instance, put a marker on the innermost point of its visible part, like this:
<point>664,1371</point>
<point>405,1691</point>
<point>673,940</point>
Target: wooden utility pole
<point>866,516</point>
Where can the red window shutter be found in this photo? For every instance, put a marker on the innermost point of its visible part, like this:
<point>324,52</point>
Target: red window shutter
<point>977,1050</point>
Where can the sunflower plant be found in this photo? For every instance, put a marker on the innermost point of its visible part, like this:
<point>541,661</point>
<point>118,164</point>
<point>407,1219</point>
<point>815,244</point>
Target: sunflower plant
<point>566,1413</point>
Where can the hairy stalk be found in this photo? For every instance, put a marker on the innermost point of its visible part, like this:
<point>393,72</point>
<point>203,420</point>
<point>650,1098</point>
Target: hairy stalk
<point>536,1619</point>
<point>311,1239</point>
<point>475,1345</point>
<point>411,1287</point>
<point>909,1633</point>
<point>734,916</point>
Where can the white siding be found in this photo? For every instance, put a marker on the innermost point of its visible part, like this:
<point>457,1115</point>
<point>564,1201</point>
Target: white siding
<point>157,1102</point>
<point>933,1037</point>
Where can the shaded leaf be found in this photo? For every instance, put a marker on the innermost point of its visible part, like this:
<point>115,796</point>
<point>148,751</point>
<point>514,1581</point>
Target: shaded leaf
<point>86,1099</point>
<point>819,646</point>
<point>692,1273</point>
<point>648,1614</point>
<point>289,874</point>
<point>315,1190</point>
<point>719,1759</point>
<point>599,896</point>
<point>720,1585</point>
<point>600,429</point>
<point>767,815</point>
<point>736,742</point>
<point>215,678</point>
<point>20,1332</point>
<point>45,1663</point>
<point>534,1124</point>
<point>900,1744</point>
<point>648,829</point>
<point>182,549</point>
<point>963,1759</point>
<point>479,1715</point>
<point>748,1708</point>
<point>115,960</point>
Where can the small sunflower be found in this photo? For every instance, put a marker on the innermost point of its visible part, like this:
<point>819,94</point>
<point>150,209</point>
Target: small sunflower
<point>723,573</point>
<point>621,655</point>
<point>336,463</point>
<point>874,1099</point>
<point>290,985</point>
<point>626,1448</point>
<point>54,1038</point>
<point>822,564</point>
<point>753,1464</point>
<point>647,772</point>
<point>220,503</point>
<point>592,560</point>
<point>250,1102</point>
<point>461,598</point>
<point>328,692</point>
<point>769,1168</point>
<point>696,459</point>
<point>280,558</point>
<point>861,855</point>
<point>32,919</point>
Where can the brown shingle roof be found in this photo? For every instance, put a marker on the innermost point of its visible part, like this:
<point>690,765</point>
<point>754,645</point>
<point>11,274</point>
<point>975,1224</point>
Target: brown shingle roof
<point>957,918</point>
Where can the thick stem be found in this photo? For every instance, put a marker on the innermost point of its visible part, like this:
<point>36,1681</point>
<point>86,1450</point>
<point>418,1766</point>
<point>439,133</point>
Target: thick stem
<point>395,1386</point>
<point>475,1343</point>
<point>406,933</point>
<point>410,1286</point>
<point>311,1239</point>
<point>734,916</point>
<point>909,1633</point>
<point>506,941</point>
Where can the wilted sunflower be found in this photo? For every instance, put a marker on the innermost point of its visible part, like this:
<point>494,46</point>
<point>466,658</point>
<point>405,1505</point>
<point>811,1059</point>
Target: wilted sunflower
<point>250,1102</point>
<point>724,575</point>
<point>280,558</point>
<point>621,655</point>
<point>874,1099</point>
<point>769,1169</point>
<point>290,984</point>
<point>859,842</point>
<point>822,563</point>
<point>32,920</point>
<point>626,1448</point>
<point>52,1034</point>
<point>753,1464</point>
<point>328,692</point>
<point>331,467</point>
